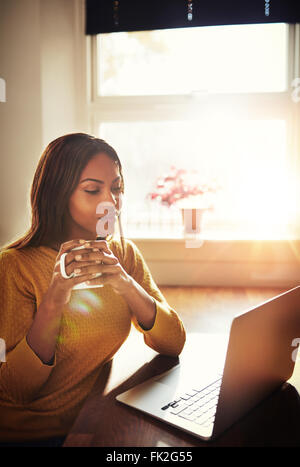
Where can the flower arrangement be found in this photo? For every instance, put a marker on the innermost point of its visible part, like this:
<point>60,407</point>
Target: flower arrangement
<point>185,189</point>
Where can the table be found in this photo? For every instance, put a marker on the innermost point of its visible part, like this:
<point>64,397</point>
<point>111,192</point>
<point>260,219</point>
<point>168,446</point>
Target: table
<point>206,314</point>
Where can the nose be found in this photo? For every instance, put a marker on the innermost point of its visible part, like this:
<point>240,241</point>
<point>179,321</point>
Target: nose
<point>108,196</point>
<point>108,205</point>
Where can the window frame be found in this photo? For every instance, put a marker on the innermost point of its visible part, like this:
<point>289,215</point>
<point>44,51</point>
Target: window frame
<point>278,105</point>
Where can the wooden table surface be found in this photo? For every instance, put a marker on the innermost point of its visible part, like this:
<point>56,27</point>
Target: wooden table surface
<point>206,314</point>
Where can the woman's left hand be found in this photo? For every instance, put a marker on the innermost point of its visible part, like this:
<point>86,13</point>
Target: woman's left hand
<point>113,272</point>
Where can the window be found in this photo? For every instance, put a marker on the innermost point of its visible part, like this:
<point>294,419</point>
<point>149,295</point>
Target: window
<point>218,59</point>
<point>216,99</point>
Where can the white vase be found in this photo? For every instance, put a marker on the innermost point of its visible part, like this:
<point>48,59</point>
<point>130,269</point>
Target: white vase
<point>192,219</point>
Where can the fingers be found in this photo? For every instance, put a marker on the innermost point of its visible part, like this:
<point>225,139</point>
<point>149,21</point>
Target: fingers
<point>83,257</point>
<point>79,250</point>
<point>102,243</point>
<point>67,246</point>
<point>99,244</point>
<point>96,268</point>
<point>93,256</point>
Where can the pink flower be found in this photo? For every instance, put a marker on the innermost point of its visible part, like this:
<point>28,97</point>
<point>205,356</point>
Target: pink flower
<point>180,184</point>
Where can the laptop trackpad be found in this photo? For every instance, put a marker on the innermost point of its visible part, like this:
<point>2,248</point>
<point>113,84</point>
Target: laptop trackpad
<point>171,378</point>
<point>182,379</point>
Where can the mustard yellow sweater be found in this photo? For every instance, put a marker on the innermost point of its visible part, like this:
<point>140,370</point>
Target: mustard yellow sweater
<point>38,400</point>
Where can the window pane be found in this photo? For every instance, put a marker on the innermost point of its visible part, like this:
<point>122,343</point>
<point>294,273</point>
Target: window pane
<point>236,58</point>
<point>247,157</point>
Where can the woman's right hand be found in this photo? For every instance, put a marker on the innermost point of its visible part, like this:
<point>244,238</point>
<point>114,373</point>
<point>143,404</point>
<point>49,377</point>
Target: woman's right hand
<point>59,291</point>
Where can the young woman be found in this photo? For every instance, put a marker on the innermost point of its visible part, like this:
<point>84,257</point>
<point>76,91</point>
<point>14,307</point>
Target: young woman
<point>58,338</point>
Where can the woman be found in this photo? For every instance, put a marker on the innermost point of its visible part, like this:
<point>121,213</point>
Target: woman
<point>58,339</point>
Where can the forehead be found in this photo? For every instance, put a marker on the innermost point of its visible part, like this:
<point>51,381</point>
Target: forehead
<point>101,166</point>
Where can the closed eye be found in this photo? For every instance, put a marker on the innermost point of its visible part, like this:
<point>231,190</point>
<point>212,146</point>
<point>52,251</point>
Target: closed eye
<point>93,192</point>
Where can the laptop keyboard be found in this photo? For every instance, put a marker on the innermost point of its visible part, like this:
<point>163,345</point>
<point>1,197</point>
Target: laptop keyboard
<point>197,405</point>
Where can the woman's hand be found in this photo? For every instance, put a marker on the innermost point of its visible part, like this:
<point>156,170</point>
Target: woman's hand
<point>59,291</point>
<point>113,274</point>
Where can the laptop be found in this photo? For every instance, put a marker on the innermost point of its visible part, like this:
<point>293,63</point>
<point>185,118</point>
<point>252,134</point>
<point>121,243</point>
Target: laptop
<point>260,357</point>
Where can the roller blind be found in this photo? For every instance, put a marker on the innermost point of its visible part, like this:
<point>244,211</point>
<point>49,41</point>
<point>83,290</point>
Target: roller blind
<point>104,16</point>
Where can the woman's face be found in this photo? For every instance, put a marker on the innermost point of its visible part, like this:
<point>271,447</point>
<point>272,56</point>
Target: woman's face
<point>100,181</point>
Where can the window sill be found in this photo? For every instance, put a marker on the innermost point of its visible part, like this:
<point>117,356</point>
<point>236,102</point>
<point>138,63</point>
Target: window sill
<point>229,262</point>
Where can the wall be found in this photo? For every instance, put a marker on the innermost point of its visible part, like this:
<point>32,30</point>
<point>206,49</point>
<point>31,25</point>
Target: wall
<point>231,263</point>
<point>42,49</point>
<point>20,115</point>
<point>62,73</point>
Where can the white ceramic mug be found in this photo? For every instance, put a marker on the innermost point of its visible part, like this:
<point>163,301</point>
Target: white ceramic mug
<point>108,218</point>
<point>81,285</point>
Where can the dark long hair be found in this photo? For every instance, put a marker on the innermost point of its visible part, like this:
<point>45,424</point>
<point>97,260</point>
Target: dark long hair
<point>55,179</point>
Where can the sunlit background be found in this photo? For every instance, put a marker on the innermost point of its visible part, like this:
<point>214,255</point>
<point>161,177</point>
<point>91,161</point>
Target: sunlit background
<point>233,124</point>
<point>246,58</point>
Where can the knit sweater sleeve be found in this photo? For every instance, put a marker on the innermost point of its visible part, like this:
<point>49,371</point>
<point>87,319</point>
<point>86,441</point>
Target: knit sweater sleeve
<point>167,335</point>
<point>22,373</point>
